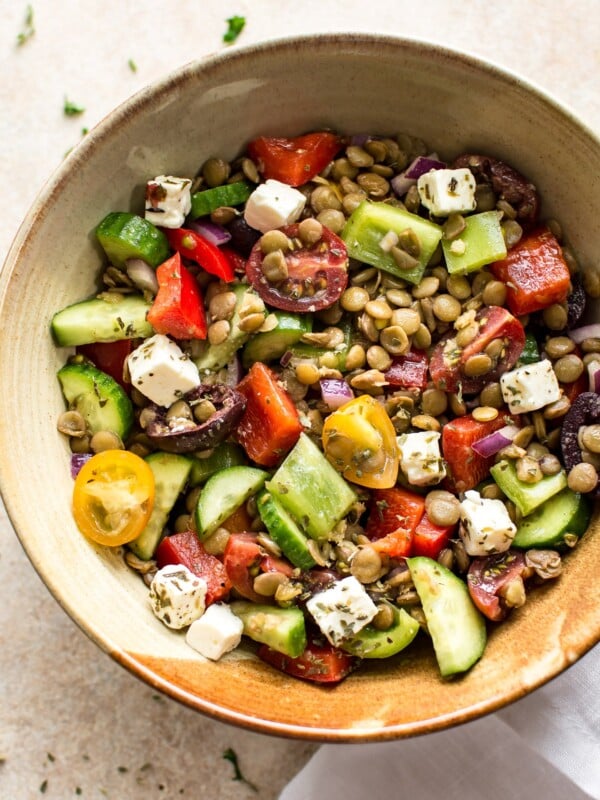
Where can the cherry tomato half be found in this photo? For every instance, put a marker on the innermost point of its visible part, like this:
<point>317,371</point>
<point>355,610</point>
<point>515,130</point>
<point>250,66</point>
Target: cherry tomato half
<point>113,497</point>
<point>317,274</point>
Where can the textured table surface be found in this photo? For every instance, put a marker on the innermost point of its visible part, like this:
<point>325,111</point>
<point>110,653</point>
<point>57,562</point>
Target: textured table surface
<point>72,722</point>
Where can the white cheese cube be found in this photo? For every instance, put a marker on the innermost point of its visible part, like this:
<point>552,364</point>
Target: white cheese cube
<point>161,371</point>
<point>273,204</point>
<point>420,457</point>
<point>447,191</point>
<point>486,526</point>
<point>342,610</point>
<point>168,201</point>
<point>530,387</point>
<point>177,596</point>
<point>216,632</point>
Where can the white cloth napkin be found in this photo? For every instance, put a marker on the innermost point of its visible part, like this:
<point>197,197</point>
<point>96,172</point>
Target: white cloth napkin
<point>546,747</point>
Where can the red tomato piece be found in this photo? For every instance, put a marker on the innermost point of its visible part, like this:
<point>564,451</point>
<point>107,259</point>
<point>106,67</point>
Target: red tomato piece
<point>572,390</point>
<point>239,522</point>
<point>178,308</point>
<point>488,576</point>
<point>270,425</point>
<point>317,274</point>
<point>466,468</point>
<point>109,357</point>
<point>430,539</point>
<point>535,273</point>
<point>236,261</point>
<point>185,548</point>
<point>448,359</point>
<point>409,371</point>
<point>191,245</point>
<point>294,161</point>
<point>393,517</point>
<point>320,662</point>
<point>244,559</point>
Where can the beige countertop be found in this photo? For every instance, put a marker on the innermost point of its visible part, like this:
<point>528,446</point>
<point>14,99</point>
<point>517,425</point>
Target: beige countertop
<point>73,722</point>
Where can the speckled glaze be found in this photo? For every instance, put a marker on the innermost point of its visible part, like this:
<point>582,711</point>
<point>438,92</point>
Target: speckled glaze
<point>353,83</point>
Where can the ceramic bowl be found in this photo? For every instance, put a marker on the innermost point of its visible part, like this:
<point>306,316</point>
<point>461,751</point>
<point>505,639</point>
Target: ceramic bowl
<point>352,83</point>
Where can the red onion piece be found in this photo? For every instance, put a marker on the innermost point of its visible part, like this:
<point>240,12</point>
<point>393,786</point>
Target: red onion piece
<point>335,392</point>
<point>422,164</point>
<point>213,233</point>
<point>234,371</point>
<point>586,332</point>
<point>494,442</point>
<point>77,462</point>
<point>594,376</point>
<point>142,275</point>
<point>286,358</point>
<point>360,139</point>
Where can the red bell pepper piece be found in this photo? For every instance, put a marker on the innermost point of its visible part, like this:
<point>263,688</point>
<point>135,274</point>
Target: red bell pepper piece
<point>430,539</point>
<point>185,548</point>
<point>409,371</point>
<point>320,662</point>
<point>294,161</point>
<point>178,308</point>
<point>191,245</point>
<point>393,518</point>
<point>535,273</point>
<point>236,261</point>
<point>244,558</point>
<point>270,425</point>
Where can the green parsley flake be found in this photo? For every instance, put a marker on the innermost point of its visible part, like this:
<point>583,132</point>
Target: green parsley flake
<point>132,65</point>
<point>28,27</point>
<point>71,109</point>
<point>235,25</point>
<point>231,755</point>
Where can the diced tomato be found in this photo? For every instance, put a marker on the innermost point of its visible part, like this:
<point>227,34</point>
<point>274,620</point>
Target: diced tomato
<point>320,662</point>
<point>270,425</point>
<point>294,161</point>
<point>185,548</point>
<point>487,577</point>
<point>409,371</point>
<point>535,273</point>
<point>109,357</point>
<point>448,359</point>
<point>430,539</point>
<point>191,245</point>
<point>271,563</point>
<point>239,521</point>
<point>465,467</point>
<point>573,390</point>
<point>393,517</point>
<point>236,261</point>
<point>178,308</point>
<point>244,559</point>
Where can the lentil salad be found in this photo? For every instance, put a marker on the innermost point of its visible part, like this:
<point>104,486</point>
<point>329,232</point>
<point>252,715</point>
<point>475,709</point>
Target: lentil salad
<point>326,383</point>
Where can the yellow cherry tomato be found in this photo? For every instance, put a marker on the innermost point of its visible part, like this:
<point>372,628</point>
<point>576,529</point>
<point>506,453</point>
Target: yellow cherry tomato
<point>359,440</point>
<point>113,497</point>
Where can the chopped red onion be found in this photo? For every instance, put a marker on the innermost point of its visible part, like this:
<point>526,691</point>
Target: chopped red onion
<point>335,392</point>
<point>77,462</point>
<point>422,164</point>
<point>586,332</point>
<point>594,376</point>
<point>234,372</point>
<point>142,275</point>
<point>360,139</point>
<point>494,442</point>
<point>215,234</point>
<point>286,358</point>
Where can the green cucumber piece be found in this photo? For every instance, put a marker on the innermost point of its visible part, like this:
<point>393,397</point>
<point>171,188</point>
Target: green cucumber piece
<point>372,643</point>
<point>216,356</point>
<point>530,353</point>
<point>224,493</point>
<point>370,222</point>
<point>171,473</point>
<point>124,235</point>
<point>226,454</point>
<point>98,320</point>
<point>284,531</point>
<point>566,513</point>
<point>456,627</point>
<point>271,345</point>
<point>483,244</point>
<point>526,496</point>
<point>282,629</point>
<point>230,194</point>
<point>311,490</point>
<point>97,396</point>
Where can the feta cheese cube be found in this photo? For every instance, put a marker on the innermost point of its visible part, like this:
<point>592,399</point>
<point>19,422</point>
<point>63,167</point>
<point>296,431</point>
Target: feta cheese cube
<point>216,632</point>
<point>273,204</point>
<point>168,201</point>
<point>177,596</point>
<point>530,387</point>
<point>420,457</point>
<point>342,610</point>
<point>486,526</point>
<point>447,191</point>
<point>161,371</point>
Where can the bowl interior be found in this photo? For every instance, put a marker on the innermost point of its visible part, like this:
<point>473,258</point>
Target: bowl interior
<point>353,84</point>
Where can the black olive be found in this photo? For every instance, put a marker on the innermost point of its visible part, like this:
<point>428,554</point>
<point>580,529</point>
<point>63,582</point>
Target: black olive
<point>585,410</point>
<point>175,437</point>
<point>575,302</point>
<point>243,237</point>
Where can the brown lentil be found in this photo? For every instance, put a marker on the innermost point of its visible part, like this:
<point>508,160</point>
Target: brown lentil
<point>485,413</point>
<point>366,564</point>
<point>374,185</point>
<point>446,308</point>
<point>378,309</point>
<point>355,358</point>
<point>434,402</point>
<point>559,346</point>
<point>404,260</point>
<point>354,299</point>
<point>72,423</point>
<point>546,563</point>
<point>267,583</point>
<point>351,201</point>
<point>274,240</point>
<point>395,340</point>
<point>557,409</point>
<point>478,364</point>
<point>378,357</point>
<point>219,331</point>
<point>342,168</point>
<point>79,444</point>
<point>307,373</point>
<point>528,470</point>
<point>310,231</point>
<point>494,293</point>
<point>589,438</point>
<point>215,172</point>
<point>369,380</point>
<point>384,618</point>
<point>555,317</point>
<point>422,337</point>
<point>491,395</point>
<point>425,422</point>
<point>222,305</point>
<point>399,297</point>
<point>333,219</point>
<point>454,226</point>
<point>105,440</point>
<point>458,286</point>
<point>251,323</point>
<point>492,492</point>
<point>549,464</point>
<point>426,288</point>
<point>457,405</point>
<point>582,478</point>
<point>568,368</point>
<point>442,507</point>
<point>359,157</point>
<point>524,437</point>
<point>466,335</point>
<point>324,197</point>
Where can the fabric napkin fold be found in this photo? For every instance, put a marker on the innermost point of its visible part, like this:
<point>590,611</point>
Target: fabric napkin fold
<point>545,746</point>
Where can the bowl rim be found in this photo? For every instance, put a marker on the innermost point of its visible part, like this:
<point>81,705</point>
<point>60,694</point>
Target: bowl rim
<point>112,120</point>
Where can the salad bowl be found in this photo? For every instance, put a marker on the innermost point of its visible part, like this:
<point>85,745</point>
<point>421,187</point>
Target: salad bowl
<point>349,83</point>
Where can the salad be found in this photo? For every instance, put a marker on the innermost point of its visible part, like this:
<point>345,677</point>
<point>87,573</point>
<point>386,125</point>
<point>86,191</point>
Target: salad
<point>333,395</point>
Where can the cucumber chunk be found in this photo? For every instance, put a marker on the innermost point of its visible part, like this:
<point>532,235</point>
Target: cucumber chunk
<point>481,242</point>
<point>208,200</point>
<point>282,629</point>
<point>170,476</point>
<point>124,235</point>
<point>311,490</point>
<point>226,454</point>
<point>526,496</point>
<point>373,643</point>
<point>566,513</point>
<point>456,627</point>
<point>223,494</point>
<point>97,320</point>
<point>103,404</point>
<point>271,345</point>
<point>284,531</point>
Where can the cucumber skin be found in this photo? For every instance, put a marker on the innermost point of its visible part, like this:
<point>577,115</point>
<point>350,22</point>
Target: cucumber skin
<point>124,235</point>
<point>97,320</point>
<point>293,543</point>
<point>527,496</point>
<point>223,456</point>
<point>208,200</point>
<point>532,531</point>
<point>457,629</point>
<point>271,345</point>
<point>372,643</point>
<point>282,629</point>
<point>222,495</point>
